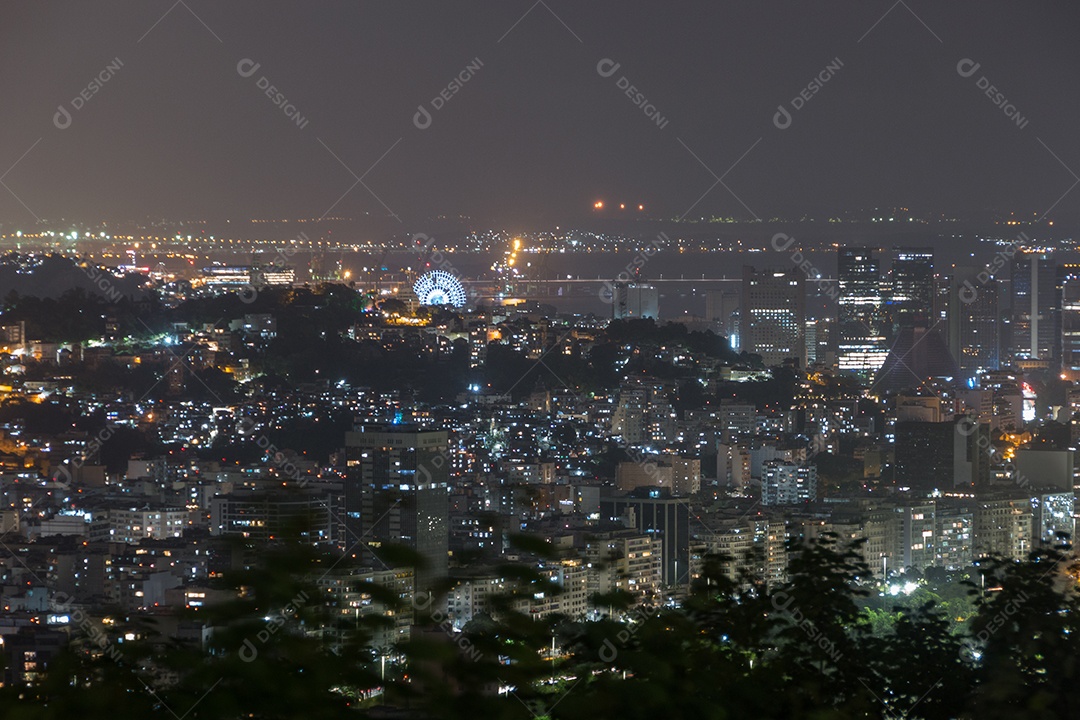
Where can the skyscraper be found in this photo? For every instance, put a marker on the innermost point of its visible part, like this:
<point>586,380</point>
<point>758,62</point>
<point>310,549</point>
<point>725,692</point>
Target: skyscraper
<point>774,314</point>
<point>972,456</point>
<point>861,343</point>
<point>911,288</point>
<point>1069,291</point>
<point>1036,333</point>
<point>974,325</point>
<point>722,308</point>
<point>396,494</point>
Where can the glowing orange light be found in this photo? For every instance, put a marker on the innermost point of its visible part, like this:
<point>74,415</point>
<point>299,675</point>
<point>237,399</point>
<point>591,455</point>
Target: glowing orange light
<point>622,206</point>
<point>640,207</point>
<point>599,204</point>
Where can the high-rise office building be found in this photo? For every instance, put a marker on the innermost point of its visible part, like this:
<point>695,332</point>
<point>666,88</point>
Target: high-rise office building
<point>1069,292</point>
<point>1036,308</point>
<point>722,309</point>
<point>811,334</point>
<point>910,299</point>
<point>972,456</point>
<point>774,314</point>
<point>396,494</point>
<point>861,342</point>
<point>974,325</point>
<point>820,341</point>
<point>655,512</point>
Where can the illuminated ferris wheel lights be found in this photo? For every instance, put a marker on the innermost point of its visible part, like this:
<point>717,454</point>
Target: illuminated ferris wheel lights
<point>439,287</point>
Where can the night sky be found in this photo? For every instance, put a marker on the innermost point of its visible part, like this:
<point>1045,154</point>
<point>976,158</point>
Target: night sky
<point>537,134</point>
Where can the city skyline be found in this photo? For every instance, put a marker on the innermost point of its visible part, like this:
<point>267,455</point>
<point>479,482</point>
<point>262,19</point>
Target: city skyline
<point>539,360</point>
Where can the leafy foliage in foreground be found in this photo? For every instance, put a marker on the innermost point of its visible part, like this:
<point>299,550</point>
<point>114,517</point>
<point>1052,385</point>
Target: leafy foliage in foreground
<point>806,649</point>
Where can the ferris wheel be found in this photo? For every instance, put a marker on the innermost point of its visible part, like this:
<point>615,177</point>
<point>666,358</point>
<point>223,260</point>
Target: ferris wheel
<point>439,287</point>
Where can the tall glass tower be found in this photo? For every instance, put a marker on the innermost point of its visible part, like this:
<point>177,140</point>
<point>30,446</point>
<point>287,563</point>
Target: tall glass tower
<point>910,300</point>
<point>1036,310</point>
<point>861,346</point>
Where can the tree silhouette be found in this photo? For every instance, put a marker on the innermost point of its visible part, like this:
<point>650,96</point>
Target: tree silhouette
<point>734,647</point>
